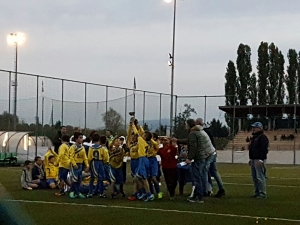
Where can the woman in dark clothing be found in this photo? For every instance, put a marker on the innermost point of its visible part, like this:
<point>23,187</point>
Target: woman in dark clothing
<point>169,166</point>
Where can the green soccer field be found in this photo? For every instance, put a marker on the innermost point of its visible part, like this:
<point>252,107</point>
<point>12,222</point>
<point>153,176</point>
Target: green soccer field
<point>237,207</point>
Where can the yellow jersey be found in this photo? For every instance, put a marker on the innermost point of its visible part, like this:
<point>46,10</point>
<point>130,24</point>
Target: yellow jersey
<point>142,144</point>
<point>153,148</point>
<point>51,169</point>
<point>78,155</point>
<point>130,131</point>
<point>116,156</point>
<point>133,152</point>
<point>64,156</point>
<point>98,152</point>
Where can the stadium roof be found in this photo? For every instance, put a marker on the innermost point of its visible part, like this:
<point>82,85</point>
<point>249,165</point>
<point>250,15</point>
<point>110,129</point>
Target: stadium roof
<point>265,110</point>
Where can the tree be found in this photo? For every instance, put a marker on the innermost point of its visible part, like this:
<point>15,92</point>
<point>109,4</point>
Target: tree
<point>230,84</point>
<point>113,120</point>
<point>218,129</point>
<point>244,68</point>
<point>273,74</point>
<point>263,73</point>
<point>290,79</point>
<point>179,130</point>
<point>253,89</point>
<point>7,121</point>
<point>146,127</point>
<point>162,130</point>
<point>281,89</point>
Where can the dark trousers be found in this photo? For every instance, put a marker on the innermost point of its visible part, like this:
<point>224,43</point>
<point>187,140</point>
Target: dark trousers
<point>124,171</point>
<point>171,178</point>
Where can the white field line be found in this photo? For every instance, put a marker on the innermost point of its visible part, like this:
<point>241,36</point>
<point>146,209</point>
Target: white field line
<point>249,176</point>
<point>268,185</point>
<point>159,210</point>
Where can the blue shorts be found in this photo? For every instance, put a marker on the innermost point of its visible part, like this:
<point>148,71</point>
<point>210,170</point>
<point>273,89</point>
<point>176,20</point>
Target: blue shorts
<point>76,174</point>
<point>143,167</point>
<point>97,170</point>
<point>134,164</point>
<point>51,181</point>
<point>116,175</point>
<point>63,173</point>
<point>153,166</point>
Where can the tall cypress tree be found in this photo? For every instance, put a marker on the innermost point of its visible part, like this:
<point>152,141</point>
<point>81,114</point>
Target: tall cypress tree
<point>292,75</point>
<point>298,76</point>
<point>273,77</point>
<point>263,73</point>
<point>230,85</point>
<point>244,68</point>
<point>253,89</point>
<point>281,88</point>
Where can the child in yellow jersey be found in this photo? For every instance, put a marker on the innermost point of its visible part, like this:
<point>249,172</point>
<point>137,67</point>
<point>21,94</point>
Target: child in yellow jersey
<point>77,157</point>
<point>153,167</point>
<point>98,155</point>
<point>134,163</point>
<point>63,164</point>
<point>116,155</point>
<point>51,168</point>
<point>142,172</point>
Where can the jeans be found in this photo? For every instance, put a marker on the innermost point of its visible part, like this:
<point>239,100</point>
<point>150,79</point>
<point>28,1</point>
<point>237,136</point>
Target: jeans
<point>258,171</point>
<point>212,168</point>
<point>199,177</point>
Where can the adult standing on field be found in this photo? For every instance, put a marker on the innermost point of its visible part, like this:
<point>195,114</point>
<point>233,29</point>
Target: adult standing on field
<point>57,140</point>
<point>258,150</point>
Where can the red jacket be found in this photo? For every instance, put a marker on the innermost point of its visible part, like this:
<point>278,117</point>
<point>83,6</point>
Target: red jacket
<point>167,154</point>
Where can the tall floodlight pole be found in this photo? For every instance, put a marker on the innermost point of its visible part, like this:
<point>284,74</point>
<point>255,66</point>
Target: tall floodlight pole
<point>172,65</point>
<point>15,39</point>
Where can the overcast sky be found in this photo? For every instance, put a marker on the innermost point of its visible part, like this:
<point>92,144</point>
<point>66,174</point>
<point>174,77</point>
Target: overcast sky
<point>110,42</point>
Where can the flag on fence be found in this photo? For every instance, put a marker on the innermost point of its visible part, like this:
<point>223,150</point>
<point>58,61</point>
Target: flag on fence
<point>134,84</point>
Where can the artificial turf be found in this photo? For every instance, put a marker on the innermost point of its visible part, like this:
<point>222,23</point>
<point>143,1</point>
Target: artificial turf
<point>282,202</point>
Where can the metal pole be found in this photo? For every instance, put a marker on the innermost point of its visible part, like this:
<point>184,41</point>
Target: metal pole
<point>172,70</point>
<point>16,88</point>
<point>144,107</point>
<point>134,101</point>
<point>233,132</point>
<point>205,109</point>
<point>62,102</point>
<point>9,97</point>
<point>106,107</point>
<point>295,120</point>
<point>125,109</point>
<point>85,97</point>
<point>160,114</point>
<point>37,114</point>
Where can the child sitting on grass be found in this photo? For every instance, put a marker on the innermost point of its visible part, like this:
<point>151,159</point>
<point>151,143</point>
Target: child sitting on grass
<point>26,178</point>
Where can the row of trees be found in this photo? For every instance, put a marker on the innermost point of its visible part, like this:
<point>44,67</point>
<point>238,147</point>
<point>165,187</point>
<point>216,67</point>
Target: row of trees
<point>114,122</point>
<point>270,83</point>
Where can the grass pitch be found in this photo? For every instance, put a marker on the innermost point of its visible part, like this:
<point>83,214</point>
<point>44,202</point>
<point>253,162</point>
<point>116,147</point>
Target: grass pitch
<point>237,207</point>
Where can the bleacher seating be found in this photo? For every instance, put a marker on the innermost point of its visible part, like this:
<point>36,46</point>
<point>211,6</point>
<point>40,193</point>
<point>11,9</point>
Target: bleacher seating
<point>8,158</point>
<point>240,140</point>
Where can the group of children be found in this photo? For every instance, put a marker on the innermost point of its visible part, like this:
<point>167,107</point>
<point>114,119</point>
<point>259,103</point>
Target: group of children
<point>87,173</point>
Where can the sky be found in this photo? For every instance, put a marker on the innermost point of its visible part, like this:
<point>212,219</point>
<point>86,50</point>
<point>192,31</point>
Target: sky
<point>111,42</point>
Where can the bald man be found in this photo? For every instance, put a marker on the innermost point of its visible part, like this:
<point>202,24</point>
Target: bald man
<point>211,163</point>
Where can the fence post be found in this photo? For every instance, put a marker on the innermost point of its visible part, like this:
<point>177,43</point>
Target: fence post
<point>106,107</point>
<point>160,114</point>
<point>62,102</point>
<point>144,107</point>
<point>85,90</point>
<point>9,97</point>
<point>204,109</point>
<point>125,118</point>
<point>37,114</point>
<point>233,132</point>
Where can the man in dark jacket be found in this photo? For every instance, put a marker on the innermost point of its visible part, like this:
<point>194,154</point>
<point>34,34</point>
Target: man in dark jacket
<point>57,139</point>
<point>258,150</point>
<point>197,153</point>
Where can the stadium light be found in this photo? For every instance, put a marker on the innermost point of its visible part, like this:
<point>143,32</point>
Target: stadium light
<point>15,39</point>
<point>172,65</point>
